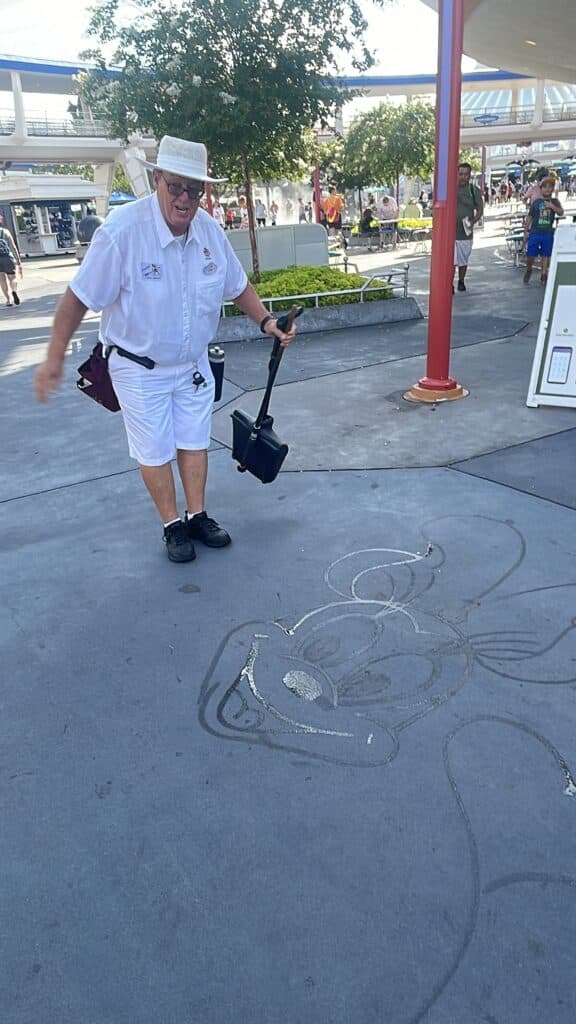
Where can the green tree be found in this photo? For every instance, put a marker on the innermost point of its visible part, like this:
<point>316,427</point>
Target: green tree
<point>120,182</point>
<point>389,141</point>
<point>329,156</point>
<point>246,77</point>
<point>471,155</point>
<point>355,174</point>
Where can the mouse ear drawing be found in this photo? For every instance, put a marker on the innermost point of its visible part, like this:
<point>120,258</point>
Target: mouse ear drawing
<point>382,574</point>
<point>473,569</point>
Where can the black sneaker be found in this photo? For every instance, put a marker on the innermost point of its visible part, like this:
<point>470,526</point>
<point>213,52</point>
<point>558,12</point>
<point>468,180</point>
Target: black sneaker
<point>201,527</point>
<point>461,286</point>
<point>179,547</point>
<point>16,298</point>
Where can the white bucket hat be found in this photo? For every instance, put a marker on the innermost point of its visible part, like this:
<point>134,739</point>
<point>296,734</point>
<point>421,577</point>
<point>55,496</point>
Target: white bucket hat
<point>189,159</point>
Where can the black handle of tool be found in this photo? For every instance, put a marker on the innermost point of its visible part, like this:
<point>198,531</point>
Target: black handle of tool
<point>284,322</point>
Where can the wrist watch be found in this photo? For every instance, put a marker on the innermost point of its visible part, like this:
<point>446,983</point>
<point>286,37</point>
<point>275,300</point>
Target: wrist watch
<point>265,320</point>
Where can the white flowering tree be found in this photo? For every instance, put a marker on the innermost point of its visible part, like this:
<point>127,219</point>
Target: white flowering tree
<point>246,77</point>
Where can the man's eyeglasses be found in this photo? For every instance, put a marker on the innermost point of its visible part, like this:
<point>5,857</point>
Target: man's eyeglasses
<point>176,189</point>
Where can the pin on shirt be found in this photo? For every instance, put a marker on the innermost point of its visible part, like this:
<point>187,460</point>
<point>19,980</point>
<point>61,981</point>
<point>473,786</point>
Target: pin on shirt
<point>209,266</point>
<point>198,380</point>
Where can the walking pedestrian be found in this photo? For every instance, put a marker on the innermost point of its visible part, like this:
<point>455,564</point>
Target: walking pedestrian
<point>260,211</point>
<point>539,229</point>
<point>218,212</point>
<point>159,270</point>
<point>469,210</point>
<point>9,259</point>
<point>333,204</point>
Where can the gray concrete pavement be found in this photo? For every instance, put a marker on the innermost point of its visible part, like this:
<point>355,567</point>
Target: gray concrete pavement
<point>327,774</point>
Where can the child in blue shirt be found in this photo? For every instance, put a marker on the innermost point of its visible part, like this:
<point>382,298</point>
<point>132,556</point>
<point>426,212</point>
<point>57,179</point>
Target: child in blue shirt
<point>539,229</point>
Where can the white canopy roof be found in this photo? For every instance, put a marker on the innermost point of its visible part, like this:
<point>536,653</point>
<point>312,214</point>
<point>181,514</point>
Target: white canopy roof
<point>526,36</point>
<point>35,188</point>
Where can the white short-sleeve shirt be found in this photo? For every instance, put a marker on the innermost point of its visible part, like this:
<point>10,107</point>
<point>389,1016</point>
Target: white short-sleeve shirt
<point>158,297</point>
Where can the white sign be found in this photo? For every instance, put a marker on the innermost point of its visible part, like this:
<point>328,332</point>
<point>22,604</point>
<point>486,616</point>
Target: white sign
<point>553,377</point>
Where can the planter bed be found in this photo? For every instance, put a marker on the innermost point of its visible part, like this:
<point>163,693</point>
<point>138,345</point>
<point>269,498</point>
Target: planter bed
<point>328,318</point>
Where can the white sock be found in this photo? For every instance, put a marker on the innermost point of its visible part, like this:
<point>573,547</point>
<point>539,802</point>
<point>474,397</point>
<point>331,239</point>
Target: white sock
<point>190,515</point>
<point>171,523</point>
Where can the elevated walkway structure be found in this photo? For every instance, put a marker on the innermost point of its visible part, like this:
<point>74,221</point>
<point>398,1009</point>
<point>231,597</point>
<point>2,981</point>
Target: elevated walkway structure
<point>498,107</point>
<point>28,137</point>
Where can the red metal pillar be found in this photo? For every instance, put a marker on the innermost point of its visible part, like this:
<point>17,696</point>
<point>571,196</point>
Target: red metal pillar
<point>438,385</point>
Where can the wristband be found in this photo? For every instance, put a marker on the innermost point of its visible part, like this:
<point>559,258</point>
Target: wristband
<point>265,320</point>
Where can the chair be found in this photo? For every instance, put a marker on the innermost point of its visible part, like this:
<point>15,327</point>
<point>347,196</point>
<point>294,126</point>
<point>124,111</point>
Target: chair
<point>421,236</point>
<point>515,244</point>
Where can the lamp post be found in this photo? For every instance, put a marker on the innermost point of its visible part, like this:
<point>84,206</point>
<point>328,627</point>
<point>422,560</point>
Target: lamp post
<point>438,385</point>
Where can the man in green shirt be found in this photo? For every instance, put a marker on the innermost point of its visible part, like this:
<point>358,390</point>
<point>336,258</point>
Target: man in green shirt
<point>469,210</point>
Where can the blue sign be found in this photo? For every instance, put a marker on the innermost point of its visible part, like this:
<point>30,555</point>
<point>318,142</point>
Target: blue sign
<point>487,118</point>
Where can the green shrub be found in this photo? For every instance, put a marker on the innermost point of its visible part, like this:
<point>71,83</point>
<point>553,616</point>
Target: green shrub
<point>302,280</point>
<point>414,222</point>
<point>374,224</point>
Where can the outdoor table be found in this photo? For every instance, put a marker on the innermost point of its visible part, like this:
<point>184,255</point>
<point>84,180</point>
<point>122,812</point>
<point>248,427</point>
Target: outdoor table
<point>514,218</point>
<point>388,227</point>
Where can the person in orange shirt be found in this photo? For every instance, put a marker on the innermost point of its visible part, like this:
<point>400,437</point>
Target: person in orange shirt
<point>333,204</point>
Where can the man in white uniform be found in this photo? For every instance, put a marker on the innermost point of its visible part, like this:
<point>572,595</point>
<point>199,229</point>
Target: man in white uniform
<point>159,270</point>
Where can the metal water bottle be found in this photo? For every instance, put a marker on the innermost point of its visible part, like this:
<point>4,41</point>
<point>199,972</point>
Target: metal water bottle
<point>216,360</point>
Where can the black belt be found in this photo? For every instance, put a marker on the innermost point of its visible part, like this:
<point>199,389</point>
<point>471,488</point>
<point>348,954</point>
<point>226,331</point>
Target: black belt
<point>142,360</point>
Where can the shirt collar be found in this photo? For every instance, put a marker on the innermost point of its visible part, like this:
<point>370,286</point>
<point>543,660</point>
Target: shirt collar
<point>164,233</point>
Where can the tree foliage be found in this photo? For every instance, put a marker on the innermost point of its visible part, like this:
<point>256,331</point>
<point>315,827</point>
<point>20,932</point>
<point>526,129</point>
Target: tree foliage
<point>329,157</point>
<point>471,155</point>
<point>389,141</point>
<point>243,76</point>
<point>120,182</point>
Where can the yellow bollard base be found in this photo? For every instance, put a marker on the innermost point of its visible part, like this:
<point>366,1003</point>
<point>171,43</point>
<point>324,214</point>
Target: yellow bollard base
<point>420,394</point>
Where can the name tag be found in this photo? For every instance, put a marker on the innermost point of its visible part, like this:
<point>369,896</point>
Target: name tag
<point>151,271</point>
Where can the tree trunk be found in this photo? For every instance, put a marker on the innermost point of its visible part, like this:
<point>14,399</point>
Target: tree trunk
<point>251,219</point>
<point>209,198</point>
<point>360,199</point>
<point>398,189</point>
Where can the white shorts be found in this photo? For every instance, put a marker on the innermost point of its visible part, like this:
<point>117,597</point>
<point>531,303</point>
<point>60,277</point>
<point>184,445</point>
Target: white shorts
<point>163,410</point>
<point>462,250</point>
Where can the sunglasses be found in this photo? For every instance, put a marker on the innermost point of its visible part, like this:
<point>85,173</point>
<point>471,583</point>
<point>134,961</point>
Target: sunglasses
<point>176,189</point>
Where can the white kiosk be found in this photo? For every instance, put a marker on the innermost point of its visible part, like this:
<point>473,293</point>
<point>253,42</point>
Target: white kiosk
<point>553,377</point>
<point>42,210</point>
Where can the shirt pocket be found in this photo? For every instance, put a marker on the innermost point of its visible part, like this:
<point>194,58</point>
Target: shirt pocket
<point>210,294</point>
